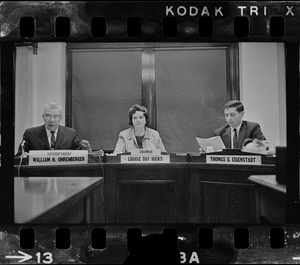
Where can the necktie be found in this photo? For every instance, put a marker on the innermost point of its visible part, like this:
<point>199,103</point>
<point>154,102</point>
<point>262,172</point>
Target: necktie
<point>52,140</point>
<point>235,142</point>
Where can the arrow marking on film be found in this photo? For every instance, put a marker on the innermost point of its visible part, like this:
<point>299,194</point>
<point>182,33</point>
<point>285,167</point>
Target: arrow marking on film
<point>22,258</point>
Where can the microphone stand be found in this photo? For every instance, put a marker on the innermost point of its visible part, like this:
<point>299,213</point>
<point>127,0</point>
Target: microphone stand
<point>23,151</point>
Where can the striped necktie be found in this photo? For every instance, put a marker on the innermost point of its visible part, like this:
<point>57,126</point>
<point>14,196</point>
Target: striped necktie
<point>235,142</point>
<point>52,140</point>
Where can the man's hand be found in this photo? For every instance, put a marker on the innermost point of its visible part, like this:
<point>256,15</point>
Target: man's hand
<point>86,144</point>
<point>201,151</point>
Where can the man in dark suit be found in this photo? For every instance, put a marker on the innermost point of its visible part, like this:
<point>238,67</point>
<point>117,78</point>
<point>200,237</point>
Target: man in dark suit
<point>51,135</point>
<point>236,131</point>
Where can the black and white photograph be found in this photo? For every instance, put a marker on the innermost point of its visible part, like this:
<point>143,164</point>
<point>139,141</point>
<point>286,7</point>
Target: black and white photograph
<point>115,100</point>
<point>163,122</point>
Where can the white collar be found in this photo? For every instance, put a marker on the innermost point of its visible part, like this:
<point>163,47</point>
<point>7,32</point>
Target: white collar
<point>237,128</point>
<point>49,132</point>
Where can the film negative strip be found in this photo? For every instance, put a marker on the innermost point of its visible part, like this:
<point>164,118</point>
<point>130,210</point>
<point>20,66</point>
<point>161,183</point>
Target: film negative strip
<point>183,60</point>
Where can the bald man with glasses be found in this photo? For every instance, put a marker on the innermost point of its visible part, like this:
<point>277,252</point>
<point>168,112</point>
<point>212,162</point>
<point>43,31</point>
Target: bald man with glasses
<point>51,135</point>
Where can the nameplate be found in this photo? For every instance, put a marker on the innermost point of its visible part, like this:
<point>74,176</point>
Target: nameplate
<point>145,152</point>
<point>57,157</point>
<point>232,159</point>
<point>138,159</point>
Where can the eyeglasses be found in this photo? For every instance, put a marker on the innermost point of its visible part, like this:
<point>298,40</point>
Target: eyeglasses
<point>49,116</point>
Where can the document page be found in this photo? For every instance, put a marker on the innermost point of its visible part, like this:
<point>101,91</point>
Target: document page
<point>215,142</point>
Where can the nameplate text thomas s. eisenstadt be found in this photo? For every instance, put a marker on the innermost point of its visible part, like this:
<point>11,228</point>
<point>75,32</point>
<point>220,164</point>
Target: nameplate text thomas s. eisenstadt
<point>233,159</point>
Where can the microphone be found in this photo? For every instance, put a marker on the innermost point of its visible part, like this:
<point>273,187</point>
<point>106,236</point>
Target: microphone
<point>23,151</point>
<point>22,145</point>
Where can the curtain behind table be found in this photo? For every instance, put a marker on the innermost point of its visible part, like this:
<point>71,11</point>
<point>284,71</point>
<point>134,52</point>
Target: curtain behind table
<point>191,92</point>
<point>104,85</point>
<point>186,92</point>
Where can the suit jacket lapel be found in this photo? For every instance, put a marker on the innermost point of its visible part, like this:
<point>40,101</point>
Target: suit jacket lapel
<point>44,137</point>
<point>227,137</point>
<point>59,137</point>
<point>242,134</point>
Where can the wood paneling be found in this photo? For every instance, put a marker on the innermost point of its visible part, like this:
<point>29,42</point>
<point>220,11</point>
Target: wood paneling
<point>227,203</point>
<point>146,193</point>
<point>272,205</point>
<point>179,192</point>
<point>146,201</point>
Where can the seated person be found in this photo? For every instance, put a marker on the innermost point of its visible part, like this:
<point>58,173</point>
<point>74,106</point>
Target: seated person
<point>51,135</point>
<point>138,136</point>
<point>234,113</point>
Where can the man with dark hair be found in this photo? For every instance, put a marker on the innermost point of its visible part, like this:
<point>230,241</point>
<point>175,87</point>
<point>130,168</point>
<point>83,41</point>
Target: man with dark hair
<point>237,130</point>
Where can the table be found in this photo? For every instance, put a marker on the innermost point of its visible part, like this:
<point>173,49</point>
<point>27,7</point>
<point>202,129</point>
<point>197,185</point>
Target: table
<point>184,191</point>
<point>187,190</point>
<point>272,196</point>
<point>58,200</point>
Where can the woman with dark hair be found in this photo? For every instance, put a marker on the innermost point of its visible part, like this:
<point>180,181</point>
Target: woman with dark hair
<point>138,136</point>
